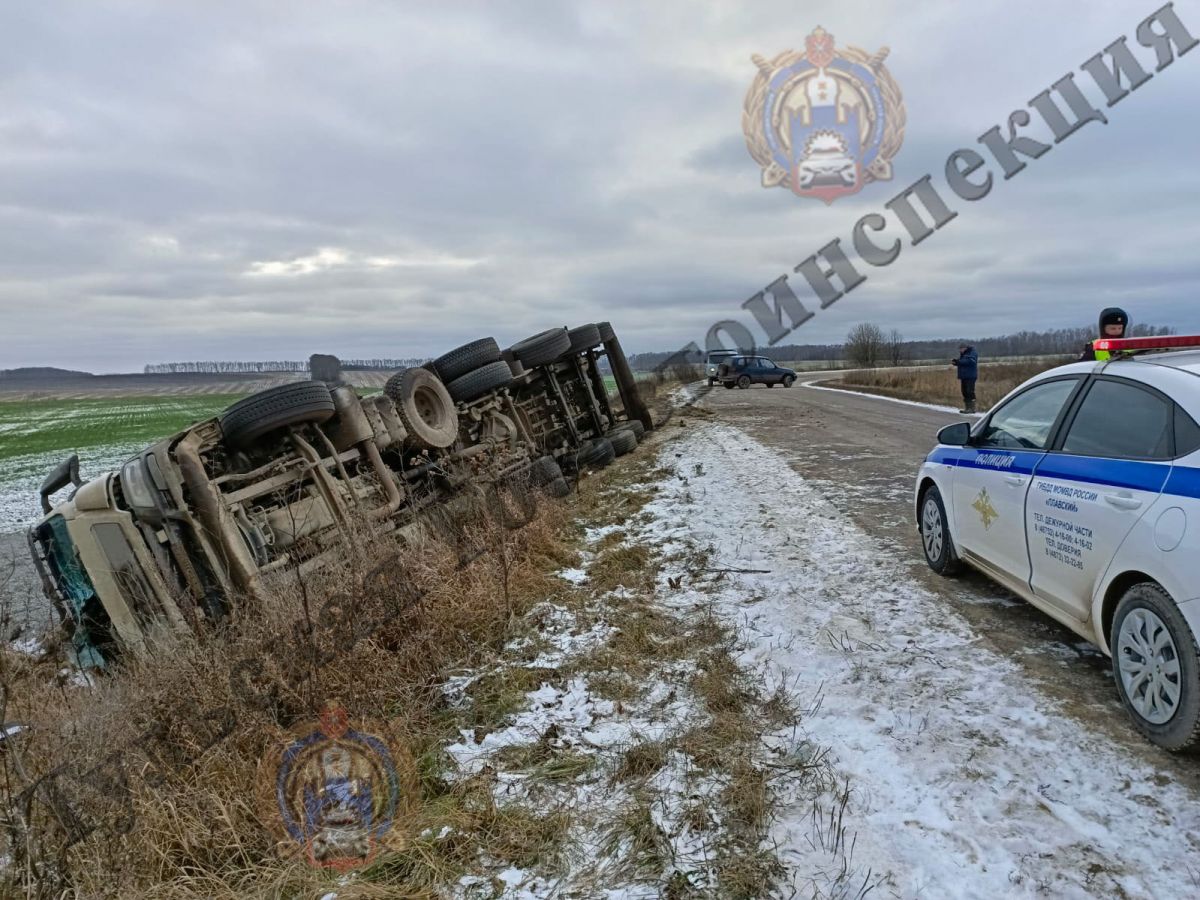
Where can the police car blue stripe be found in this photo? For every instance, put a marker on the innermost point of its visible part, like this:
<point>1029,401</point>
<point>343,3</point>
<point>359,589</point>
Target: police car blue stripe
<point>1155,477</point>
<point>1184,482</point>
<point>1119,473</point>
<point>1020,462</point>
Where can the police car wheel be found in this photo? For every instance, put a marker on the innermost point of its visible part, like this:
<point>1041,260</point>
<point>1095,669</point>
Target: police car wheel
<point>1156,666</point>
<point>935,534</point>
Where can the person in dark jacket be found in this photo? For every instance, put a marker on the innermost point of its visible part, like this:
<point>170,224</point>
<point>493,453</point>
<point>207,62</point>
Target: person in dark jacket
<point>968,373</point>
<point>1114,321</point>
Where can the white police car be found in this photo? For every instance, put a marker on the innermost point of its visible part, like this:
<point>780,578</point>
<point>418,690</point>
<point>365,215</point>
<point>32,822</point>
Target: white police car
<point>1080,491</point>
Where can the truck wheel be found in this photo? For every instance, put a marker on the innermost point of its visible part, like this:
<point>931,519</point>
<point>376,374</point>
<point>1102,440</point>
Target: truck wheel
<point>729,385</point>
<point>425,408</point>
<point>559,488</point>
<point>770,384</point>
<point>541,348</point>
<point>583,338</point>
<point>299,403</point>
<point>1156,664</point>
<point>711,382</point>
<point>467,358</point>
<point>935,534</point>
<point>788,380</point>
<point>598,455</point>
<point>544,470</point>
<point>743,382</point>
<point>475,384</point>
<point>606,331</point>
<point>623,441</point>
<point>635,426</point>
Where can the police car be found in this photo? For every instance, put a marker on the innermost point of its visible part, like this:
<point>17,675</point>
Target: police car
<point>1080,492</point>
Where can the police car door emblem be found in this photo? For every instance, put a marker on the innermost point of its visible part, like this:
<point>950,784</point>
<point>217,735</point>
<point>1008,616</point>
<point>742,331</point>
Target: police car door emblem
<point>825,122</point>
<point>987,512</point>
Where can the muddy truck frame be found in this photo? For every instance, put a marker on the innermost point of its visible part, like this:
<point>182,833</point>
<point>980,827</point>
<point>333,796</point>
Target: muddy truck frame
<point>284,478</point>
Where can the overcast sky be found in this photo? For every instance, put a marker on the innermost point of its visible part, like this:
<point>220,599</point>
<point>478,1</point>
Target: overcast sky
<point>262,180</point>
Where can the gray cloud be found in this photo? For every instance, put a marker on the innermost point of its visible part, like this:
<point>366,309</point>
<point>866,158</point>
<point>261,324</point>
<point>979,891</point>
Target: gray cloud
<point>266,179</point>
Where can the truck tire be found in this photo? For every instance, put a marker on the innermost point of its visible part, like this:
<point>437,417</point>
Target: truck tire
<point>467,358</point>
<point>299,403</point>
<point>606,331</point>
<point>541,348</point>
<point>544,470</point>
<point>1154,655</point>
<point>425,408</point>
<point>623,441</point>
<point>559,488</point>
<point>585,337</point>
<point>598,454</point>
<point>729,385</point>
<point>492,377</point>
<point>636,427</point>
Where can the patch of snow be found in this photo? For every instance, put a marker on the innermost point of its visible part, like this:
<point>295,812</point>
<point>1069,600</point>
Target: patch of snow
<point>592,535</point>
<point>574,576</point>
<point>30,646</point>
<point>964,778</point>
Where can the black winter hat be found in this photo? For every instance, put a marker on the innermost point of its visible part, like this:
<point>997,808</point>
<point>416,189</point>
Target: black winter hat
<point>1114,315</point>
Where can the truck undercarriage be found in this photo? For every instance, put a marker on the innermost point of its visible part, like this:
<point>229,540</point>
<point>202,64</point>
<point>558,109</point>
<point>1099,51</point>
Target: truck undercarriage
<point>284,478</point>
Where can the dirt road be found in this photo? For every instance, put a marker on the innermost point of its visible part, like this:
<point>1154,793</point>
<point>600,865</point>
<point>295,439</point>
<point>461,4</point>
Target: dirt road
<point>864,453</point>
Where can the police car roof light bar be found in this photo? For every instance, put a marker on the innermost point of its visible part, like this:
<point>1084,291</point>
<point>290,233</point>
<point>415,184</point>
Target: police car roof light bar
<point>1141,344</point>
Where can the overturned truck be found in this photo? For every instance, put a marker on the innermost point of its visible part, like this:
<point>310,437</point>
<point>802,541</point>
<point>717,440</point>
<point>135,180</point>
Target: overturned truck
<point>192,524</point>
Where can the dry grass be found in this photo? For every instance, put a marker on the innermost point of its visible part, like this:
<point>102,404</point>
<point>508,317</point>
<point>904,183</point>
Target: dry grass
<point>937,384</point>
<point>160,763</point>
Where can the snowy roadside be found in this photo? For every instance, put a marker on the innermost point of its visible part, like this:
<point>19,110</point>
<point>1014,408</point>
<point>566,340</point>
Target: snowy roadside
<point>963,779</point>
<point>619,731</point>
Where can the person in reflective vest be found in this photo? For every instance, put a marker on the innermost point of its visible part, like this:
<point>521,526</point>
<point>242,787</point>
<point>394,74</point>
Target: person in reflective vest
<point>1113,324</point>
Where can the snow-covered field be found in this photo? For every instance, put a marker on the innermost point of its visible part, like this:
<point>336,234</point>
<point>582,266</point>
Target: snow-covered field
<point>964,780</point>
<point>21,476</point>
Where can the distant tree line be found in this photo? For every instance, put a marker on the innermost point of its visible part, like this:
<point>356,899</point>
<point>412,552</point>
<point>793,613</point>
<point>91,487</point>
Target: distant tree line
<point>255,367</point>
<point>881,347</point>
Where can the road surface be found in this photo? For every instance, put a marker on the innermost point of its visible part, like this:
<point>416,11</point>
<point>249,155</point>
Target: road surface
<point>864,452</point>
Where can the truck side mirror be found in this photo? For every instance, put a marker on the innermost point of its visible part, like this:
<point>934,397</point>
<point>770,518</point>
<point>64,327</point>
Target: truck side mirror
<point>66,472</point>
<point>956,435</point>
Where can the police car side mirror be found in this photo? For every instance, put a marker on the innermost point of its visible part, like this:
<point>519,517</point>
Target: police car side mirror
<point>956,435</point>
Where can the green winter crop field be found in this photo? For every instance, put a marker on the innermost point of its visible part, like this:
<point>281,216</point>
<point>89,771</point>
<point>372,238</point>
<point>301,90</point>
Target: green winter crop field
<point>36,434</point>
<point>41,426</point>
